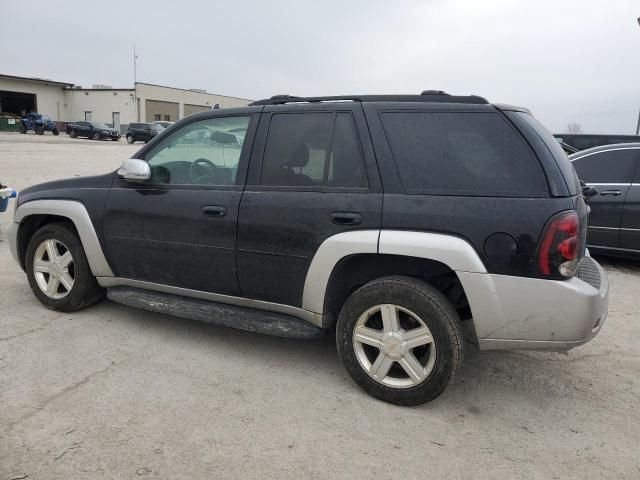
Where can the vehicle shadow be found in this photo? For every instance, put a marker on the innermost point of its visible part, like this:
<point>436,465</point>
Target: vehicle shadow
<point>486,378</point>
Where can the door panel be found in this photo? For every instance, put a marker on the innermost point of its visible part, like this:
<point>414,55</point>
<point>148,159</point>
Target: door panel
<point>630,227</point>
<point>606,214</point>
<point>279,233</point>
<point>610,171</point>
<point>163,236</point>
<point>179,228</point>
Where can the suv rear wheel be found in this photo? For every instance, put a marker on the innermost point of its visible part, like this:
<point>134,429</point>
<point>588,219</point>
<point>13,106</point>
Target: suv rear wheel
<point>400,339</point>
<point>130,139</point>
<point>58,270</point>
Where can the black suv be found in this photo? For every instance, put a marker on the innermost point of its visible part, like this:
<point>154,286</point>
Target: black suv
<point>395,221</point>
<point>142,132</point>
<point>92,130</point>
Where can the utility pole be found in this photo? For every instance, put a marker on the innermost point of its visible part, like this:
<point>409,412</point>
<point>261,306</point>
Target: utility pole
<point>135,81</point>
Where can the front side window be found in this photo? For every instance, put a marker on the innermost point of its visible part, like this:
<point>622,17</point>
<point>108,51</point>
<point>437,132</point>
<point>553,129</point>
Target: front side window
<point>313,150</point>
<point>206,152</point>
<point>614,166</point>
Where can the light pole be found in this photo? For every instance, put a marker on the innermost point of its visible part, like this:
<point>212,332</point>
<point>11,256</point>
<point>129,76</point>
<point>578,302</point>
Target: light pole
<point>135,80</point>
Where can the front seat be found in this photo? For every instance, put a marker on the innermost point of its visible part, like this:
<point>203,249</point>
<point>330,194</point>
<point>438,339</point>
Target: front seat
<point>298,159</point>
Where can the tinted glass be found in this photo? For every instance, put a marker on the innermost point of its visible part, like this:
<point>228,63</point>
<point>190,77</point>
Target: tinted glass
<point>616,166</point>
<point>300,151</point>
<point>200,153</point>
<point>554,148</point>
<point>346,167</point>
<point>462,154</point>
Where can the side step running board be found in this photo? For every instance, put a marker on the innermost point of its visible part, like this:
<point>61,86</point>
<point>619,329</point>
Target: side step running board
<point>232,316</point>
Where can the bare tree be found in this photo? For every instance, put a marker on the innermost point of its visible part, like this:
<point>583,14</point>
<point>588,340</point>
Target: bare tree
<point>574,128</point>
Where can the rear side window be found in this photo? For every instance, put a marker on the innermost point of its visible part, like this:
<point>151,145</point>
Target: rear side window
<point>614,166</point>
<point>451,153</point>
<point>313,150</point>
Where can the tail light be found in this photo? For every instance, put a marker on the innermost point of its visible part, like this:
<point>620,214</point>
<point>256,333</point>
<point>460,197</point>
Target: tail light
<point>558,252</point>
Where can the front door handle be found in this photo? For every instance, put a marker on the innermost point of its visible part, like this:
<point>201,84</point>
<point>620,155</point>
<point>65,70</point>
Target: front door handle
<point>346,218</point>
<point>214,211</point>
<point>615,193</point>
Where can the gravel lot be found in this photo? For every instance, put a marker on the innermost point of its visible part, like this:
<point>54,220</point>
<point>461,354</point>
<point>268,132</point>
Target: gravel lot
<point>113,392</point>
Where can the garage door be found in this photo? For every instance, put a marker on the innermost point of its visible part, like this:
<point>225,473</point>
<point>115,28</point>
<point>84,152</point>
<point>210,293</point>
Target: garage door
<point>191,109</point>
<point>157,110</point>
<point>17,102</point>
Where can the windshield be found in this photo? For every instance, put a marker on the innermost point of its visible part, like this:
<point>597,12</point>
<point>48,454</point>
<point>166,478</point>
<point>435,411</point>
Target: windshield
<point>157,126</point>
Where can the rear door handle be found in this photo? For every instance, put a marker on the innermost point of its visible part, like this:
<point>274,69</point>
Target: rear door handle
<point>346,218</point>
<point>214,211</point>
<point>615,193</point>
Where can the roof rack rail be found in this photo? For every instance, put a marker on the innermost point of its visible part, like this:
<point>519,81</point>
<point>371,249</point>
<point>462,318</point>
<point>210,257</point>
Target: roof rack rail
<point>437,96</point>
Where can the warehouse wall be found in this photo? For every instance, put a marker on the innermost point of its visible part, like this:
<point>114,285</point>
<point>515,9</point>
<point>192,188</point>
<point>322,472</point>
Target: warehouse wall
<point>102,104</point>
<point>146,92</point>
<point>49,97</point>
<point>191,109</point>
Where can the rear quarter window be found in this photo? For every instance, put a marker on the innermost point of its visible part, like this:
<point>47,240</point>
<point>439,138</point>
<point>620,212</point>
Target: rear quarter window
<point>462,153</point>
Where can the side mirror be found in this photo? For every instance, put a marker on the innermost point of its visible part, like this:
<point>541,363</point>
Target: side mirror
<point>135,170</point>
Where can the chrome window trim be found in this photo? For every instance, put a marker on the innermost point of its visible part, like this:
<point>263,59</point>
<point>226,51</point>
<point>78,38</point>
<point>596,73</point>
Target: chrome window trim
<point>578,156</point>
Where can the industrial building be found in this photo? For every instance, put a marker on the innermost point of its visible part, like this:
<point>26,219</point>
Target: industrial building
<point>65,102</point>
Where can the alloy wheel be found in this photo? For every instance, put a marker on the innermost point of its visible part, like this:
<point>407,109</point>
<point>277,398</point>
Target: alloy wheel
<point>53,269</point>
<point>394,346</point>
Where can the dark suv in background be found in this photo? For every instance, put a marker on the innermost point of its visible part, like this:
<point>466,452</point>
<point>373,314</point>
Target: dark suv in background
<point>394,221</point>
<point>142,132</point>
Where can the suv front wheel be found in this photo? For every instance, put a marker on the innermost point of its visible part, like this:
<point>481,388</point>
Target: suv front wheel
<point>400,339</point>
<point>130,139</point>
<point>58,270</point>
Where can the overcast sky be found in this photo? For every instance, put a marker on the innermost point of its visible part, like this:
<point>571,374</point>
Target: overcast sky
<point>568,61</point>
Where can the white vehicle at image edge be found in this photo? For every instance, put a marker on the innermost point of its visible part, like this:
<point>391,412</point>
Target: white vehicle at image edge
<point>302,216</point>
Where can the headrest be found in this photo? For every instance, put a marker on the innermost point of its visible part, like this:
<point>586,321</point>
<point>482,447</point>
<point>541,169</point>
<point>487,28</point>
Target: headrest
<point>299,157</point>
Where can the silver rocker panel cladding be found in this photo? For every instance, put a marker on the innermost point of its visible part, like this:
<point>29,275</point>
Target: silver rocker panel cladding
<point>77,213</point>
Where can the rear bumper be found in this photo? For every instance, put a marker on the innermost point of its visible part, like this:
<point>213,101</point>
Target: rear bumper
<point>528,313</point>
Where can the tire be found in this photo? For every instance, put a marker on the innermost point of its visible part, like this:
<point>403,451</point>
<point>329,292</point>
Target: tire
<point>55,132</point>
<point>73,134</point>
<point>416,305</point>
<point>84,290</point>
<point>115,139</point>
<point>23,129</point>
<point>39,131</point>
<point>95,136</point>
<point>130,139</point>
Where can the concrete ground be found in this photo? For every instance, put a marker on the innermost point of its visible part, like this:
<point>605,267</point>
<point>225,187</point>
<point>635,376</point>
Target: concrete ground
<point>113,392</point>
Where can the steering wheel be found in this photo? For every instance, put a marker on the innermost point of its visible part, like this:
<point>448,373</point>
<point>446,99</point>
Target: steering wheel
<point>201,170</point>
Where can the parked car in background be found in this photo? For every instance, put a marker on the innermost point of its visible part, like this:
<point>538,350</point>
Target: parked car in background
<point>163,123</point>
<point>391,221</point>
<point>92,130</point>
<point>584,141</point>
<point>614,221</point>
<point>142,132</point>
